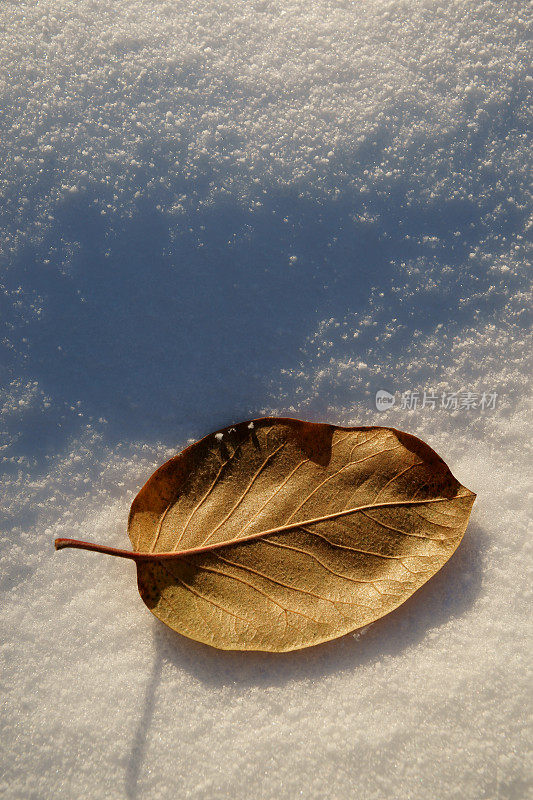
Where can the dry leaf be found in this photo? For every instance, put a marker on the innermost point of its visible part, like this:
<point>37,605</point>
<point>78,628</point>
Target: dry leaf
<point>278,534</point>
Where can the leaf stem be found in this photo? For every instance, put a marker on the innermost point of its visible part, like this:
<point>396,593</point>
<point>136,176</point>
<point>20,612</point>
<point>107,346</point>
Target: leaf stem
<point>60,544</point>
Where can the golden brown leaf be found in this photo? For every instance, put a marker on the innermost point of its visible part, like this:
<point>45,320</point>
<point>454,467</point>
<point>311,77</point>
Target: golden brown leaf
<point>278,534</point>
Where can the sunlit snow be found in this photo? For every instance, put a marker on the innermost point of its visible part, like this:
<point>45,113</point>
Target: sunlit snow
<point>217,210</point>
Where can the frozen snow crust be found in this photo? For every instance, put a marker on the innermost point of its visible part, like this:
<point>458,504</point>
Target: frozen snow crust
<point>212,211</point>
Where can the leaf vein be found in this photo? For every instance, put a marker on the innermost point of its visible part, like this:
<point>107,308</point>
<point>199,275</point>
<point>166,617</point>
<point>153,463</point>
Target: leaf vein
<point>319,561</point>
<point>243,495</point>
<point>287,585</point>
<point>280,487</point>
<point>251,585</point>
<point>353,549</point>
<point>335,474</point>
<point>203,597</point>
<point>159,527</point>
<point>399,530</point>
<point>395,477</point>
<point>203,499</point>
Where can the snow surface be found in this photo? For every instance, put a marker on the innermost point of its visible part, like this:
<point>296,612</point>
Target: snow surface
<point>213,210</point>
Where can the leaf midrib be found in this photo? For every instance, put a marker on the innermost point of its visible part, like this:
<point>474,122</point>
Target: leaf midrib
<point>297,524</point>
<point>176,554</point>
